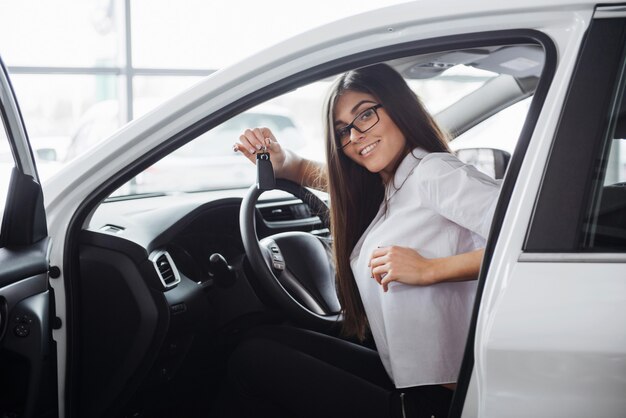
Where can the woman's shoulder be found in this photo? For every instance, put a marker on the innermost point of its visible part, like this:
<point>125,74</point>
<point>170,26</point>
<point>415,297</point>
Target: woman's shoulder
<point>436,165</point>
<point>445,158</point>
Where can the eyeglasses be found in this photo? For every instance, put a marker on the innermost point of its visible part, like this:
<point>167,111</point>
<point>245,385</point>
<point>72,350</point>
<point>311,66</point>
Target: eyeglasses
<point>363,122</point>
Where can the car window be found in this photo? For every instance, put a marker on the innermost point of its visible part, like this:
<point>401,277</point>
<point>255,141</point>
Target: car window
<point>500,131</point>
<point>208,161</point>
<point>489,145</point>
<point>605,224</point>
<point>569,199</point>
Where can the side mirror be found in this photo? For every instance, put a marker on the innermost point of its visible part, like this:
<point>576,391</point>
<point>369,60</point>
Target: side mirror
<point>491,161</point>
<point>46,154</point>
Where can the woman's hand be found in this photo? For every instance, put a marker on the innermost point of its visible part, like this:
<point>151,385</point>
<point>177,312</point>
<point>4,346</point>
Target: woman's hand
<point>253,140</point>
<point>287,164</point>
<point>401,264</point>
<point>405,265</point>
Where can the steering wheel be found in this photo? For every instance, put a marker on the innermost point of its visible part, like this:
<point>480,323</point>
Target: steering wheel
<point>294,268</point>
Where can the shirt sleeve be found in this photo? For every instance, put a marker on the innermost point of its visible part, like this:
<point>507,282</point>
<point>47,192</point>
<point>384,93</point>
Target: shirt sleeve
<point>458,191</point>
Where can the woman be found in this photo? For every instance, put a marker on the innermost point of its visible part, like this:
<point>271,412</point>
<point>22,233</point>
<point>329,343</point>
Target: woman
<point>409,222</point>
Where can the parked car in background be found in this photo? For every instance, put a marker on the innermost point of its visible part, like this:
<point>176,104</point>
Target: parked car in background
<point>116,304</point>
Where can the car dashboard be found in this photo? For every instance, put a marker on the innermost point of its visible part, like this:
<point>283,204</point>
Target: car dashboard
<point>164,293</point>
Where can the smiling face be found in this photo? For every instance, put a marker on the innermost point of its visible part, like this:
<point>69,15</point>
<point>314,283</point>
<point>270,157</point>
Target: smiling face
<point>380,148</point>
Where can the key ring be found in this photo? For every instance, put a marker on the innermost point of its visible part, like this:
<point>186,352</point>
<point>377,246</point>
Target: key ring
<point>263,154</point>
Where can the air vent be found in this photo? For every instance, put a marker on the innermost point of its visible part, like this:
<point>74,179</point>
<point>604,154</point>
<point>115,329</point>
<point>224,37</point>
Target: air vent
<point>277,213</point>
<point>165,268</point>
<point>284,212</point>
<point>112,229</point>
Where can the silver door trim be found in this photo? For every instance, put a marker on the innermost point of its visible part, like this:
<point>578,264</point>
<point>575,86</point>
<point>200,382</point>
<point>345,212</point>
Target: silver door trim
<point>572,258</point>
<point>610,12</point>
<point>15,127</point>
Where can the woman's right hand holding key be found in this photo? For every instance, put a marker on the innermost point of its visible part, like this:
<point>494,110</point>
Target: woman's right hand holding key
<point>287,164</point>
<point>253,140</point>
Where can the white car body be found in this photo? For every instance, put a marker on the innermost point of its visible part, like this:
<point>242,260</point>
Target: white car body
<point>537,353</point>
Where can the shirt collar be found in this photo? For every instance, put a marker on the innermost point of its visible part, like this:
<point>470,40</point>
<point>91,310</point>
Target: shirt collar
<point>404,170</point>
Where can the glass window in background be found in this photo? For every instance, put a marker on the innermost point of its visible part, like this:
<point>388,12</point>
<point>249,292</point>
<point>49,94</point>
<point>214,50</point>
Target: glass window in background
<point>150,91</point>
<point>67,114</point>
<point>200,34</point>
<point>181,36</point>
<point>62,33</point>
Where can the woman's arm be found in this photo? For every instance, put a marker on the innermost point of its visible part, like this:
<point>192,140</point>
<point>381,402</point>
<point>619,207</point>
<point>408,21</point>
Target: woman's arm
<point>308,173</point>
<point>287,164</point>
<point>405,265</point>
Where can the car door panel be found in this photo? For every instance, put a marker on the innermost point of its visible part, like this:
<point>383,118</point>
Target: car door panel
<point>17,264</point>
<point>27,364</point>
<point>551,336</point>
<point>26,335</point>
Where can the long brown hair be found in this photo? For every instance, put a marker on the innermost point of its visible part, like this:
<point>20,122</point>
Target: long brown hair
<point>355,193</point>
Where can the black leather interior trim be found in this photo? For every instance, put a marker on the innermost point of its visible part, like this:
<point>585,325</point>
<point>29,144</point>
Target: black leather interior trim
<point>18,263</point>
<point>24,220</point>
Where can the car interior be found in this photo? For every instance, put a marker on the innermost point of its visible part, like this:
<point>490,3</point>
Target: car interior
<point>168,283</point>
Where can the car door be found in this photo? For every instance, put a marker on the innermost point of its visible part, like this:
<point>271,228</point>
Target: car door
<point>27,378</point>
<point>551,331</point>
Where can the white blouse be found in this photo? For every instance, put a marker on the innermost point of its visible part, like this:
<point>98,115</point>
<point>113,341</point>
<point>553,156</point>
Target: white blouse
<point>440,207</point>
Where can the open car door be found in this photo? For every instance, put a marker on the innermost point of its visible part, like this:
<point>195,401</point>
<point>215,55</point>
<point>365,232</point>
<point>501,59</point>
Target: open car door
<point>27,361</point>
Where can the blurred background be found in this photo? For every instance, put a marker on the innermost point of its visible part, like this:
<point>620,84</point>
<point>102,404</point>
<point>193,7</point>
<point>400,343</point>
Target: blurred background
<point>83,68</point>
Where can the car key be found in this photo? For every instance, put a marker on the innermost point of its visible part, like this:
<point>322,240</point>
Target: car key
<point>264,171</point>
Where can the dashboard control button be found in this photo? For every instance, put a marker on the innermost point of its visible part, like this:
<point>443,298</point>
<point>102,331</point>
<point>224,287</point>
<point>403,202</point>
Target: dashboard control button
<point>178,308</point>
